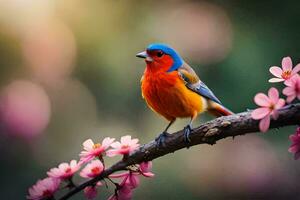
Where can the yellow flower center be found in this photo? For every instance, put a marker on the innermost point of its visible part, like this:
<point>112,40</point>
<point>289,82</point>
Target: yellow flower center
<point>95,146</point>
<point>286,74</point>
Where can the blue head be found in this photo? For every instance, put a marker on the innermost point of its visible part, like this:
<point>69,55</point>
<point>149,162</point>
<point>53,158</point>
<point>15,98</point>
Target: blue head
<point>164,49</point>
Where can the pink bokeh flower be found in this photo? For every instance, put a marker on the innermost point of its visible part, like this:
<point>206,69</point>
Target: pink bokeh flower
<point>25,109</point>
<point>92,150</point>
<point>43,189</point>
<point>64,170</point>
<point>284,73</point>
<point>93,169</point>
<point>125,147</point>
<point>269,106</point>
<point>295,146</point>
<point>90,192</point>
<point>293,88</point>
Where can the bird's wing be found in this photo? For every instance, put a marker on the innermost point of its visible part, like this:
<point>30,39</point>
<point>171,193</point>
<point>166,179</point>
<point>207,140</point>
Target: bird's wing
<point>193,82</point>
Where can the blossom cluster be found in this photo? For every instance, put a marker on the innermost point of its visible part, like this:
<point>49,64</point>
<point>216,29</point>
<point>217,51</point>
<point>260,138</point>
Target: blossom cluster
<point>271,103</point>
<point>91,165</point>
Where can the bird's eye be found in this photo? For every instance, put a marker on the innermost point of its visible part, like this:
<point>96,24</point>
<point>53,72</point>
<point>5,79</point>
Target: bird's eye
<point>159,54</point>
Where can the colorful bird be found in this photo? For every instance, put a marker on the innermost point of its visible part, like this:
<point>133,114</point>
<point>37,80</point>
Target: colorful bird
<point>172,89</point>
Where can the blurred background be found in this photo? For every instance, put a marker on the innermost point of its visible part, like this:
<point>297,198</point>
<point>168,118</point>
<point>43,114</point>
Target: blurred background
<point>68,73</point>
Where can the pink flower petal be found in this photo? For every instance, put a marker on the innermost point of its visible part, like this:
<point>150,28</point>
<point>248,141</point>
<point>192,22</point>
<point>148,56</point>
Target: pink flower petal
<point>146,166</point>
<point>287,64</point>
<point>73,163</point>
<point>296,69</point>
<point>264,124</point>
<point>107,142</point>
<point>125,140</point>
<point>275,114</point>
<point>290,98</point>
<point>276,71</point>
<point>134,180</point>
<point>273,95</point>
<point>294,148</point>
<point>88,145</point>
<point>279,104</point>
<point>288,91</point>
<point>148,174</point>
<point>288,82</point>
<point>276,80</point>
<point>260,113</point>
<point>262,100</point>
<point>112,153</point>
<point>133,142</point>
<point>120,175</point>
<point>63,165</point>
<point>116,145</point>
<point>134,147</point>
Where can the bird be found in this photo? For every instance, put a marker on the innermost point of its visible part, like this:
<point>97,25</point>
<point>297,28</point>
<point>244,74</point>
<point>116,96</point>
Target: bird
<point>172,89</point>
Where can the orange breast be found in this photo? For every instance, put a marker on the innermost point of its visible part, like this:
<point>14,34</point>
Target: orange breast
<point>166,94</point>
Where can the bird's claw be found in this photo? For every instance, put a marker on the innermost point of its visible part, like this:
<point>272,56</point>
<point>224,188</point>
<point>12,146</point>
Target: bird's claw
<point>161,139</point>
<point>186,133</point>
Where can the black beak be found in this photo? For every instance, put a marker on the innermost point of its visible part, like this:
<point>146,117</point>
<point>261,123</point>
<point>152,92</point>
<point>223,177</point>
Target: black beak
<point>142,55</point>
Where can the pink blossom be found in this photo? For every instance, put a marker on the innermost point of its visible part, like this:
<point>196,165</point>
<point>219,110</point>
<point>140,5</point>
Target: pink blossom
<point>92,169</point>
<point>90,192</point>
<point>286,72</point>
<point>124,193</point>
<point>64,170</point>
<point>132,178</point>
<point>269,106</point>
<point>43,189</point>
<point>125,147</point>
<point>293,88</point>
<point>129,178</point>
<point>295,147</point>
<point>92,150</point>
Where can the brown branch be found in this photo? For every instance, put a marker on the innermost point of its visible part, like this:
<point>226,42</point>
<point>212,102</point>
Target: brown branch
<point>209,133</point>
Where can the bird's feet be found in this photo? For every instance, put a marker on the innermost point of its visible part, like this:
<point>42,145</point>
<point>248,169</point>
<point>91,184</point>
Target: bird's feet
<point>160,140</point>
<point>186,133</point>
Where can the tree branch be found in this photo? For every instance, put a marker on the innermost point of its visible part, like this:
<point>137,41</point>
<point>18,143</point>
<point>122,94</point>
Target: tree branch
<point>209,133</point>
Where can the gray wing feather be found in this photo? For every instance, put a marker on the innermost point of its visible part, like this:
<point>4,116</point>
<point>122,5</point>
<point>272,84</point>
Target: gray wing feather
<point>204,91</point>
<point>193,83</point>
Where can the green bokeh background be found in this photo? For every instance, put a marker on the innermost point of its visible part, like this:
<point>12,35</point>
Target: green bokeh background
<point>101,96</point>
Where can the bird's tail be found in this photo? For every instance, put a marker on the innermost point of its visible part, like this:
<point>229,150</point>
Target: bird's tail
<point>218,109</point>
